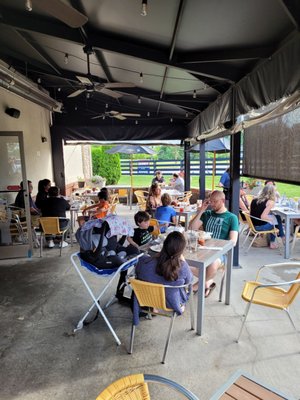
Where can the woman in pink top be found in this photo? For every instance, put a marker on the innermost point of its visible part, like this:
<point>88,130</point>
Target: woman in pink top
<point>154,199</point>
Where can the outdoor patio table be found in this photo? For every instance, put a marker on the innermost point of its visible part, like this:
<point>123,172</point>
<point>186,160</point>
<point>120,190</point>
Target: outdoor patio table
<point>201,259</point>
<point>287,214</point>
<point>187,214</point>
<point>129,192</point>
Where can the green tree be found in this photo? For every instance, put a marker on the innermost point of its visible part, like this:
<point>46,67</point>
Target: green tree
<point>106,165</point>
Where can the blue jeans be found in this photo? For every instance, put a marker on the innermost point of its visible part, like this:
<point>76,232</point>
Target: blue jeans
<point>268,226</point>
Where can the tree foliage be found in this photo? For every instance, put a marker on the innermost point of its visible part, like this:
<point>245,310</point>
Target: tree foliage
<point>106,165</point>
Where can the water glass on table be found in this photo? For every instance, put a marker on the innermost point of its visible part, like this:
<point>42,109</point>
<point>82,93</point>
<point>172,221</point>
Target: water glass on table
<point>192,240</point>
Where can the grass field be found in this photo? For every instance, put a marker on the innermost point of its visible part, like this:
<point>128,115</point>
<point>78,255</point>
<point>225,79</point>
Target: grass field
<point>145,180</point>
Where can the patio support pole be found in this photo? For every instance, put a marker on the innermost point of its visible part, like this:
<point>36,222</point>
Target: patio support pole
<point>58,162</point>
<point>235,157</point>
<point>187,167</point>
<point>202,170</point>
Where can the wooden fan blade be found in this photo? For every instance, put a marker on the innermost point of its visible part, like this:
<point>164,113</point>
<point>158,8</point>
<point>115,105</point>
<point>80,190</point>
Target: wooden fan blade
<point>85,80</point>
<point>115,85</point>
<point>76,93</point>
<point>130,115</point>
<point>62,11</point>
<point>108,92</point>
<point>119,116</point>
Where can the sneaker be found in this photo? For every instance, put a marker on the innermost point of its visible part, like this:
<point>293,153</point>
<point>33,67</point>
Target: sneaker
<point>64,244</point>
<point>51,244</point>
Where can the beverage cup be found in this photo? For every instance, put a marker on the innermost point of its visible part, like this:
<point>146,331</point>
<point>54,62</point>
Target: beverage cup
<point>181,209</point>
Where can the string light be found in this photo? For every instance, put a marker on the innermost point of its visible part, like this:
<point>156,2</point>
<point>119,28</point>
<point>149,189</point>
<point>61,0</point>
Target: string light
<point>186,115</point>
<point>139,99</point>
<point>136,121</point>
<point>103,117</point>
<point>39,80</point>
<point>194,94</point>
<point>148,114</point>
<point>106,105</point>
<point>171,119</point>
<point>66,59</point>
<point>59,89</point>
<point>141,78</point>
<point>88,95</point>
<point>144,8</point>
<point>75,108</point>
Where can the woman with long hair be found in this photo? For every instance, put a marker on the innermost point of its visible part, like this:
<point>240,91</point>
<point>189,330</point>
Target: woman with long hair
<point>43,187</point>
<point>261,208</point>
<point>169,268</point>
<point>154,199</point>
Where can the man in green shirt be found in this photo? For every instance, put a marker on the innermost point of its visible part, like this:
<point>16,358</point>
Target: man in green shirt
<point>222,224</point>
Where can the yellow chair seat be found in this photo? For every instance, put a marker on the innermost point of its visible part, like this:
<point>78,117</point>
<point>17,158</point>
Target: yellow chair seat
<point>274,297</point>
<point>131,387</point>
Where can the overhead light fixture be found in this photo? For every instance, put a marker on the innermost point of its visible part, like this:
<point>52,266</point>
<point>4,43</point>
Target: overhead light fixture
<point>139,99</point>
<point>106,105</point>
<point>148,114</point>
<point>66,59</point>
<point>144,8</point>
<point>39,80</point>
<point>136,121</point>
<point>25,88</point>
<point>171,119</point>
<point>59,89</point>
<point>141,78</point>
<point>28,5</point>
<point>194,94</point>
<point>75,108</point>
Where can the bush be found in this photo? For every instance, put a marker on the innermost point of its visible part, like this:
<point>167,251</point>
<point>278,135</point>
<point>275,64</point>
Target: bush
<point>106,165</point>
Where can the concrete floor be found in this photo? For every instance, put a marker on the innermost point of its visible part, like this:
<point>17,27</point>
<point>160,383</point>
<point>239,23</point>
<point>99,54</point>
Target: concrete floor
<point>42,299</point>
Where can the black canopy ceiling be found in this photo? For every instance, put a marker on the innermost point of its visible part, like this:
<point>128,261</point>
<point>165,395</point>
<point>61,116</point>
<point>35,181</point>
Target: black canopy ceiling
<point>181,49</point>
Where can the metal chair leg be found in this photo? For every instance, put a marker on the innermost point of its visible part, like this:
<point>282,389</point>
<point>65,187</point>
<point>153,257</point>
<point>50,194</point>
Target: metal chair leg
<point>292,322</point>
<point>251,243</point>
<point>169,337</point>
<point>222,285</point>
<point>246,238</point>
<point>131,339</point>
<point>243,323</point>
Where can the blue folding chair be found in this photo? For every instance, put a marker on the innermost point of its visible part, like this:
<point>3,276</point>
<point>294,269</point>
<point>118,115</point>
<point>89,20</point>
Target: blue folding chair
<point>81,265</point>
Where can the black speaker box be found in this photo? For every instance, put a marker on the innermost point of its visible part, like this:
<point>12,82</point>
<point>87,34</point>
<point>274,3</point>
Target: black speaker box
<point>13,112</point>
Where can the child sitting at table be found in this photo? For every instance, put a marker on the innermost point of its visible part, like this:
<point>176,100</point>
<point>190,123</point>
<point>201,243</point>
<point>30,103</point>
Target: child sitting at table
<point>100,211</point>
<point>142,234</point>
<point>165,214</point>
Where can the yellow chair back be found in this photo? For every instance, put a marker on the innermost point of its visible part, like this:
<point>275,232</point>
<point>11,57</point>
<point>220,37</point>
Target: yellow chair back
<point>140,199</point>
<point>122,192</point>
<point>50,225</point>
<point>155,224</point>
<point>131,387</point>
<point>150,294</point>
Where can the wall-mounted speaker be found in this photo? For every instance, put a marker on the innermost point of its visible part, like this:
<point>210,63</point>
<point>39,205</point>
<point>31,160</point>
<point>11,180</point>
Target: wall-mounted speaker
<point>13,112</point>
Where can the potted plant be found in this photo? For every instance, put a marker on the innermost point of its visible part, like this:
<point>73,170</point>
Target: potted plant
<point>80,182</point>
<point>98,181</point>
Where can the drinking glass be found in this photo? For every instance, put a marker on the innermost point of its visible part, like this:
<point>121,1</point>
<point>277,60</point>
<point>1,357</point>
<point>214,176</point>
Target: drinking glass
<point>192,240</point>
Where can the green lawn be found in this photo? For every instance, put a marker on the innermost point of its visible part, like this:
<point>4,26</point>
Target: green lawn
<point>145,180</point>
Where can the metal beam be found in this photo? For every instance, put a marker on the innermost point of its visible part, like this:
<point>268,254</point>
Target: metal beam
<point>102,41</point>
<point>292,8</point>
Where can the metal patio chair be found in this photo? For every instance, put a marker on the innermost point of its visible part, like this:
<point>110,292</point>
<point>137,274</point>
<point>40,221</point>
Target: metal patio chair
<point>50,227</point>
<point>272,294</point>
<point>135,387</point>
<point>152,296</point>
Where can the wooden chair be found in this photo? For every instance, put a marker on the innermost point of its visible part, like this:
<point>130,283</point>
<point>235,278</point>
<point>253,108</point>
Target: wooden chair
<point>135,387</point>
<point>252,230</point>
<point>141,199</point>
<point>50,227</point>
<point>153,296</point>
<point>272,294</point>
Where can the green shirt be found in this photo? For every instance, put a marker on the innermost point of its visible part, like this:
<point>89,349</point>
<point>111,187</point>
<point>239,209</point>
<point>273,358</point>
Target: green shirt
<point>220,225</point>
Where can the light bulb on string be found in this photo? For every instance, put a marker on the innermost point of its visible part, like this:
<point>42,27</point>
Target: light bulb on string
<point>194,94</point>
<point>28,5</point>
<point>136,121</point>
<point>66,59</point>
<point>171,119</point>
<point>144,8</point>
<point>139,99</point>
<point>148,114</point>
<point>141,78</point>
<point>106,105</point>
<point>186,115</point>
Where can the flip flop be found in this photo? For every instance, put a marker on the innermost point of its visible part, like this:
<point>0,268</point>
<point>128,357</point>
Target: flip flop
<point>210,289</point>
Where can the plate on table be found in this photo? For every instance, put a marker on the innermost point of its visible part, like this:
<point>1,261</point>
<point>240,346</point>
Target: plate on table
<point>157,248</point>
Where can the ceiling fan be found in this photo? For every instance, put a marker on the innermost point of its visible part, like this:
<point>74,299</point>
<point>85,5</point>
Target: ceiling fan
<point>90,86</point>
<point>116,114</point>
<point>60,10</point>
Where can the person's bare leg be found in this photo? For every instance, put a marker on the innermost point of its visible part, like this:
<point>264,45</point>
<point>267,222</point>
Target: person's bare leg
<point>211,272</point>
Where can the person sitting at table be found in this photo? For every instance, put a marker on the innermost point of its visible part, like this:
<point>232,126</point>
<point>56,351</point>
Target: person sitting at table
<point>169,268</point>
<point>100,208</point>
<point>222,224</point>
<point>277,195</point>
<point>261,207</point>
<point>154,199</point>
<point>55,206</point>
<point>142,234</point>
<point>165,213</point>
<point>20,202</point>
<point>177,182</point>
<point>159,179</point>
<point>42,194</point>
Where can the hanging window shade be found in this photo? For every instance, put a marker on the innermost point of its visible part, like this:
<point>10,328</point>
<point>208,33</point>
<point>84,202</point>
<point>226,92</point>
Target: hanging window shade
<point>272,149</point>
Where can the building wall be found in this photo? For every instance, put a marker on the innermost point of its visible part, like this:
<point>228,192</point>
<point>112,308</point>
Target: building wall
<point>73,166</point>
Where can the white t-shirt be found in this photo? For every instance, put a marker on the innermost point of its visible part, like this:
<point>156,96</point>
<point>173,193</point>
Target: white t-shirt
<point>179,184</point>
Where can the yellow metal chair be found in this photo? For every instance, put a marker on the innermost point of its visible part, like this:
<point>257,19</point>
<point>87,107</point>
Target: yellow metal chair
<point>272,294</point>
<point>255,233</point>
<point>153,297</point>
<point>296,236</point>
<point>135,387</point>
<point>50,227</point>
<point>123,193</point>
<point>156,231</point>
<point>185,198</point>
